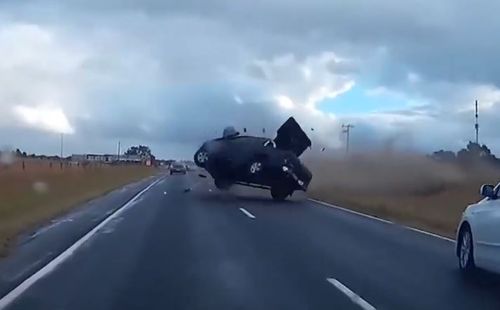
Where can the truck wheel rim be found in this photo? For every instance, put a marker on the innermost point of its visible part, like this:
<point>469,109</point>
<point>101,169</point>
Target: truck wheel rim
<point>202,157</point>
<point>255,167</point>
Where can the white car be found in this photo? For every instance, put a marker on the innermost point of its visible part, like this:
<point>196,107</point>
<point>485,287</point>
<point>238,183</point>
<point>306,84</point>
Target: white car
<point>478,235</point>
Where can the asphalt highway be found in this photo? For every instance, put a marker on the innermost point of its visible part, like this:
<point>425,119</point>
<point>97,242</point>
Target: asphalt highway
<point>175,242</point>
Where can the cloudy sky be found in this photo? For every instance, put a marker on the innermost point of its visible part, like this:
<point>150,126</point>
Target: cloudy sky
<point>171,74</point>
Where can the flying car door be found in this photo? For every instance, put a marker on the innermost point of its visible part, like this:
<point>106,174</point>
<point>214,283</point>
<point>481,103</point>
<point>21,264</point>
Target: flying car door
<point>292,138</point>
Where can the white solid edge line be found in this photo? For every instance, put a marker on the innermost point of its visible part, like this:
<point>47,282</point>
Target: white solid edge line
<point>352,296</point>
<point>351,211</point>
<point>429,233</point>
<point>250,215</point>
<point>53,264</point>
<point>382,220</point>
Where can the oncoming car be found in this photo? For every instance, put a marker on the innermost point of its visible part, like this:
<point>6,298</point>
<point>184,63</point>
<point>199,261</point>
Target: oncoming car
<point>478,234</point>
<point>258,161</point>
<point>178,168</point>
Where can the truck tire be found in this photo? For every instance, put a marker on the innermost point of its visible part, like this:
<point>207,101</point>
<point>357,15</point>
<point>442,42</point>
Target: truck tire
<point>280,193</point>
<point>201,158</point>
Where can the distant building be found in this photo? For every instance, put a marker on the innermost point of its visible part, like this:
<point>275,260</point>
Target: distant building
<point>102,158</point>
<point>131,158</point>
<point>112,158</point>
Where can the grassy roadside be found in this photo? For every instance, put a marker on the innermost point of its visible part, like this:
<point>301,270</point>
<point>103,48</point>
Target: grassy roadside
<point>407,189</point>
<point>40,192</point>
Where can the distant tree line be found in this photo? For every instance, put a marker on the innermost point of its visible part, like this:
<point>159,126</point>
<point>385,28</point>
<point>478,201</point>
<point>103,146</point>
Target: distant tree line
<point>21,154</point>
<point>473,153</point>
<point>141,150</point>
<point>17,153</point>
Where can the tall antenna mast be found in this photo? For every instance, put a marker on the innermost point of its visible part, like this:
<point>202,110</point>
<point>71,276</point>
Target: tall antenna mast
<point>476,126</point>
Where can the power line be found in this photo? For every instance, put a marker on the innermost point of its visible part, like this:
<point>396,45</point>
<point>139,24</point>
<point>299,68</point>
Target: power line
<point>346,128</point>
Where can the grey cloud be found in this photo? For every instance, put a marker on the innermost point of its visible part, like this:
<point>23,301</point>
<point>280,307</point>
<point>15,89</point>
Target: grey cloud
<point>425,110</point>
<point>342,67</point>
<point>180,116</point>
<point>141,51</point>
<point>435,39</point>
<point>255,71</point>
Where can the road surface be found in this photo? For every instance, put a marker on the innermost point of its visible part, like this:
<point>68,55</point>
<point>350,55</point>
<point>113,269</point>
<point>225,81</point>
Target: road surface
<point>170,248</point>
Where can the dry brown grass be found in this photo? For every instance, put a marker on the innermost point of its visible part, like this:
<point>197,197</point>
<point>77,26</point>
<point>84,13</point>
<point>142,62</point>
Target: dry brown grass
<point>406,188</point>
<point>40,192</point>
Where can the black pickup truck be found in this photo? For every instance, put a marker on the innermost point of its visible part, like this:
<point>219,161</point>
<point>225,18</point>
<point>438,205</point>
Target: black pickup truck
<point>258,162</point>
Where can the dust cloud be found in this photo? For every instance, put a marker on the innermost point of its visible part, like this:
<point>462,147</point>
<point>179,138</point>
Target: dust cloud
<point>383,172</point>
<point>405,187</point>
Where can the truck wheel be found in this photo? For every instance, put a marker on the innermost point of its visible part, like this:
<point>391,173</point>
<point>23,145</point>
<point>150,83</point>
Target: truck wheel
<point>201,158</point>
<point>279,193</point>
<point>255,167</point>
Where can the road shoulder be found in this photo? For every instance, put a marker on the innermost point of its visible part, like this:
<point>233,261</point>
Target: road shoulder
<point>38,247</point>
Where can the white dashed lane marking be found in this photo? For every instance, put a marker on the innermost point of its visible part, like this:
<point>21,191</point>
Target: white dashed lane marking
<point>250,215</point>
<point>355,298</point>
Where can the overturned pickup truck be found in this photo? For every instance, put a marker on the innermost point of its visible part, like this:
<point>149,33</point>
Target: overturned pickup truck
<point>257,161</point>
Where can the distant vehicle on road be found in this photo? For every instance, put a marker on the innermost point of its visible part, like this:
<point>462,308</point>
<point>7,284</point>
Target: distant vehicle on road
<point>178,168</point>
<point>478,234</point>
<point>190,166</point>
<point>257,161</point>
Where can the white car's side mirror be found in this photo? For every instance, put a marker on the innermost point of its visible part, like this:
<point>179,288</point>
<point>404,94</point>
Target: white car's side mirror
<point>487,190</point>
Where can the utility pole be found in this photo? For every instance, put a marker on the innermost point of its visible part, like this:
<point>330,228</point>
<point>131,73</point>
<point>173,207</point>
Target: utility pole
<point>62,145</point>
<point>476,126</point>
<point>119,150</point>
<point>346,128</point>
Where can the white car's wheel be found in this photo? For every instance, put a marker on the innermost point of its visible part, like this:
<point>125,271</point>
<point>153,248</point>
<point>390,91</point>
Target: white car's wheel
<point>466,251</point>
